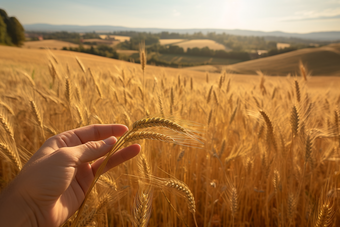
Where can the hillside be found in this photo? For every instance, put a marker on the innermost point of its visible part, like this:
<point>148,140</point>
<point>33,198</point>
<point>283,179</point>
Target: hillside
<point>323,61</point>
<point>13,59</point>
<point>50,44</point>
<point>200,43</point>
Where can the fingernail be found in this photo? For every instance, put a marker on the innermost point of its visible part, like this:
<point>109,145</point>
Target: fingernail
<point>110,141</point>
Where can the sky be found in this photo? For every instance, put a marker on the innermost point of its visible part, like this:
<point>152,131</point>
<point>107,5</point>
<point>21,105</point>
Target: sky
<point>300,16</point>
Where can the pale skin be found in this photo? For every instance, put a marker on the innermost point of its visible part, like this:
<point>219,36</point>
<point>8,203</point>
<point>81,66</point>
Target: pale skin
<point>53,183</point>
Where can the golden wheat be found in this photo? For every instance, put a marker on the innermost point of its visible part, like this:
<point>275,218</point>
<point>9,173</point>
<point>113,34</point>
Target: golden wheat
<point>256,168</point>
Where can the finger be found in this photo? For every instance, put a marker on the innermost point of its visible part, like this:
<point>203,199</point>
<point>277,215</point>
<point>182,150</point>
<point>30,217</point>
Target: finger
<point>99,132</point>
<point>118,158</point>
<point>85,134</point>
<point>91,150</point>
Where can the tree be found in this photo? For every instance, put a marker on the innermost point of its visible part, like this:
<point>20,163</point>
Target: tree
<point>4,15</point>
<point>4,38</point>
<point>11,31</point>
<point>15,31</point>
<point>3,31</point>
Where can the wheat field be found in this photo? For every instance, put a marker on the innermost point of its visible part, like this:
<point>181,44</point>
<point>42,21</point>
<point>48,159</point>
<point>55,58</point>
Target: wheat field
<point>233,153</point>
<point>200,43</point>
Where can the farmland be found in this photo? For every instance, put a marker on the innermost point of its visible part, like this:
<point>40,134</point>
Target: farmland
<point>49,44</point>
<point>200,43</point>
<point>256,150</point>
<point>195,59</point>
<point>170,41</point>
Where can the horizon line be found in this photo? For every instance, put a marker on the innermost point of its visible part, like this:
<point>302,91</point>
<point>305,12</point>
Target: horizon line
<point>179,28</point>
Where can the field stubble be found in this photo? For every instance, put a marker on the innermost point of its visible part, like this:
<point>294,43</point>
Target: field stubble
<point>269,158</point>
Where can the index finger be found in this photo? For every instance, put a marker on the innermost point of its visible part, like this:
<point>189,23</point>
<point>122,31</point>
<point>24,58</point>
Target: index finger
<point>98,132</point>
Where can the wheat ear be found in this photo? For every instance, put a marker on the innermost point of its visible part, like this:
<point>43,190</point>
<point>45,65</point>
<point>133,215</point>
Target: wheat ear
<point>191,83</point>
<point>326,215</point>
<point>234,201</point>
<point>216,98</point>
<point>157,122</point>
<point>148,135</point>
<point>294,121</point>
<point>297,91</point>
<point>143,165</point>
<point>108,182</point>
<point>68,90</point>
<point>172,100</point>
<point>37,117</point>
<point>29,78</point>
<point>144,123</point>
<point>7,126</point>
<point>50,130</point>
<point>184,190</point>
<point>36,114</point>
<point>142,209</point>
<point>9,109</point>
<point>209,117</point>
<point>11,155</point>
<point>303,71</point>
<point>270,130</point>
<point>161,106</point>
<point>209,94</point>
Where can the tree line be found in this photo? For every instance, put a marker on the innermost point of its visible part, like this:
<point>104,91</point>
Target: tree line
<point>11,30</point>
<point>72,37</point>
<point>101,50</point>
<point>204,52</point>
<point>234,42</point>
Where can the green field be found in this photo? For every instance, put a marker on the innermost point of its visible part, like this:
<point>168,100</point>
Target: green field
<point>195,59</point>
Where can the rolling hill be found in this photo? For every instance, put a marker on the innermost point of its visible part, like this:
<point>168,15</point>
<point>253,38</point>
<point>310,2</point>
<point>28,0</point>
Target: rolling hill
<point>322,36</point>
<point>322,61</point>
<point>50,44</point>
<point>14,59</point>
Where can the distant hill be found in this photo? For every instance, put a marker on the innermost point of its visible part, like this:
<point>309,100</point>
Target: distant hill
<point>323,61</point>
<point>318,36</point>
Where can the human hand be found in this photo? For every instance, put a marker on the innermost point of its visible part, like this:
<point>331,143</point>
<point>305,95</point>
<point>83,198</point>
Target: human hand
<point>53,183</point>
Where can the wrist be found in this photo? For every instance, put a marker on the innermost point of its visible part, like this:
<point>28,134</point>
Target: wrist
<point>14,210</point>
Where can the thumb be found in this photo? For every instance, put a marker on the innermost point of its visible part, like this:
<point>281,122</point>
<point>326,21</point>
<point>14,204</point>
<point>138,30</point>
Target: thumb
<point>93,149</point>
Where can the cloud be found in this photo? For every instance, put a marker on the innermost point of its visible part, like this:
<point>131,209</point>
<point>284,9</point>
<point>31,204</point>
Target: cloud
<point>175,13</point>
<point>332,13</point>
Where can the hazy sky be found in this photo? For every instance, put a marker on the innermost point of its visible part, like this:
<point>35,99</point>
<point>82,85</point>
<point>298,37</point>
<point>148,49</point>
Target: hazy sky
<point>265,15</point>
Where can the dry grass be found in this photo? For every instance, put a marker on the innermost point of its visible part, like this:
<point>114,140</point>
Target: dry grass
<point>269,158</point>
